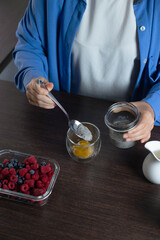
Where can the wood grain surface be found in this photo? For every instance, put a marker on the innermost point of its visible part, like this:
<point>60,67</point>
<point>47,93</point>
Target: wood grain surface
<point>108,198</point>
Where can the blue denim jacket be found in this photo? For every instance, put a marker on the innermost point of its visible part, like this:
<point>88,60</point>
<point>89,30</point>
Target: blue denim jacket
<point>45,37</point>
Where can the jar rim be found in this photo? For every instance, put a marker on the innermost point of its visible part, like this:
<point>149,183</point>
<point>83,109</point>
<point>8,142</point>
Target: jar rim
<point>116,110</point>
<point>91,142</point>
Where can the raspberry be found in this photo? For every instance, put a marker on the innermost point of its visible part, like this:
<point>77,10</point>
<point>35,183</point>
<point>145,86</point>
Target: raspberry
<point>13,178</point>
<point>30,182</point>
<point>0,184</point>
<point>38,191</point>
<point>16,188</point>
<point>1,176</point>
<point>26,161</point>
<point>28,176</point>
<point>22,172</point>
<point>32,160</point>
<point>28,167</point>
<point>5,187</point>
<point>44,190</point>
<point>45,169</point>
<point>35,176</point>
<point>11,185</point>
<point>35,166</point>
<point>12,171</point>
<point>39,184</point>
<point>28,192</point>
<point>5,171</point>
<point>44,178</point>
<point>24,187</point>
<point>50,174</point>
<point>5,182</point>
<point>47,184</point>
<point>5,161</point>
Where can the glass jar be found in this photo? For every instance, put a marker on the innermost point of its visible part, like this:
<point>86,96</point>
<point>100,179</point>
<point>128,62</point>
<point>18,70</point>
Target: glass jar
<point>81,150</point>
<point>120,118</point>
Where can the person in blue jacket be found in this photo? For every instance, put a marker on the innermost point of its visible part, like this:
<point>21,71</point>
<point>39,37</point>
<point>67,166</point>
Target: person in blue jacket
<point>103,49</point>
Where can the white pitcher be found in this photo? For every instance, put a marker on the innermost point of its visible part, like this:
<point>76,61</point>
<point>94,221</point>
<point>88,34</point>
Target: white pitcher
<point>151,164</point>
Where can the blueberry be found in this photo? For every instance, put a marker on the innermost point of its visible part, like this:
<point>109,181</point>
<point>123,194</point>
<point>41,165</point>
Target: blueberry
<point>10,165</point>
<point>15,164</point>
<point>1,165</point>
<point>20,180</point>
<point>20,165</point>
<point>32,172</point>
<point>12,160</point>
<point>43,164</point>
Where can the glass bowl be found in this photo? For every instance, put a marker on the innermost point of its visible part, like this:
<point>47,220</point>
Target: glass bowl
<point>120,118</point>
<point>81,150</point>
<point>12,179</point>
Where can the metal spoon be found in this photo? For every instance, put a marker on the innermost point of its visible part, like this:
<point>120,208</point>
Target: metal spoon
<point>77,127</point>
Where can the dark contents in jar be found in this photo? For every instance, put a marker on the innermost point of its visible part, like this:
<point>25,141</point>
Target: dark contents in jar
<point>121,119</point>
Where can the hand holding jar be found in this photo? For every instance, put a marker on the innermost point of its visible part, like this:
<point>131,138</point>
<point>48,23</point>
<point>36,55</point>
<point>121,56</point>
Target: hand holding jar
<point>143,130</point>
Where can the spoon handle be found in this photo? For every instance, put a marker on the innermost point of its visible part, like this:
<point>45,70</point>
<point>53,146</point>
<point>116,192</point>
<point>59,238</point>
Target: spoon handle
<point>50,95</point>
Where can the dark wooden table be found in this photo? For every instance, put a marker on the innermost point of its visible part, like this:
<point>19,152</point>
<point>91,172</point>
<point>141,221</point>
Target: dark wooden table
<point>108,198</point>
<point>11,12</point>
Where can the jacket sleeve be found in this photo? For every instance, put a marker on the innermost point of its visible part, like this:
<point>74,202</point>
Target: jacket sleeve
<point>29,54</point>
<point>153,96</point>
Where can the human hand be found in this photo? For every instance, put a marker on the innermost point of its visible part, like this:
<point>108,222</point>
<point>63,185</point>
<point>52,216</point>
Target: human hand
<point>36,95</point>
<point>143,130</point>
